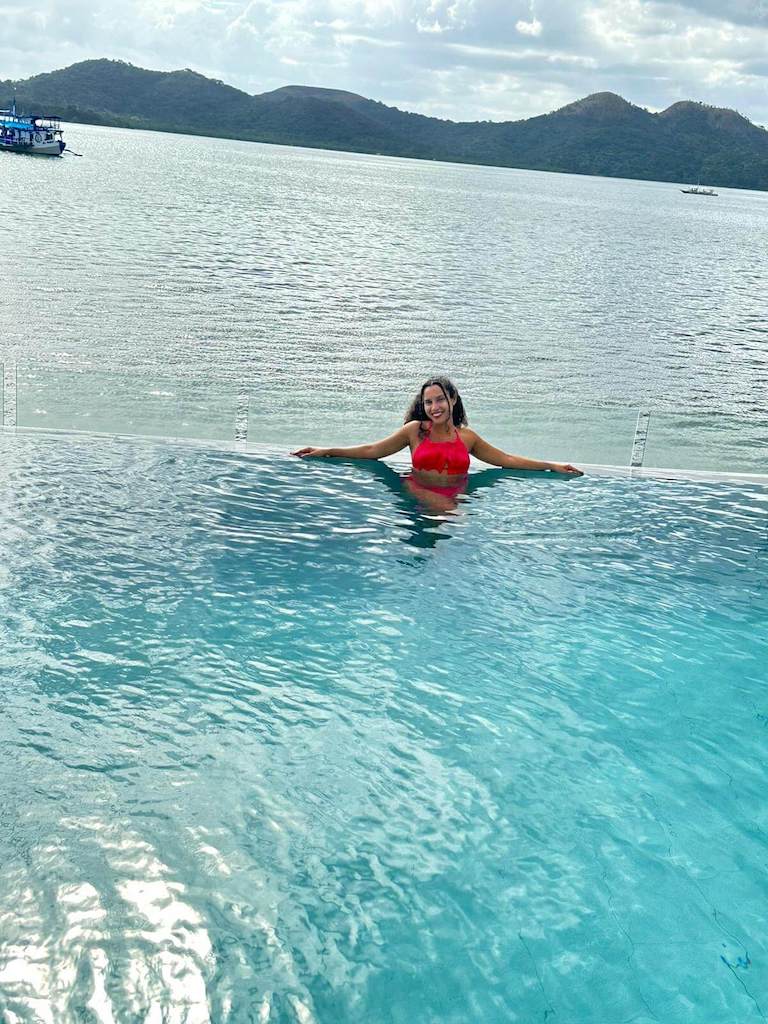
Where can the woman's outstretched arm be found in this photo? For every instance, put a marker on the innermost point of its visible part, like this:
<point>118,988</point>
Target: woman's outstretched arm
<point>375,450</point>
<point>484,451</point>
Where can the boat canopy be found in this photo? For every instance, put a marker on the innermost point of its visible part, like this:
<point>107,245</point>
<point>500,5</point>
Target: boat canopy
<point>23,126</point>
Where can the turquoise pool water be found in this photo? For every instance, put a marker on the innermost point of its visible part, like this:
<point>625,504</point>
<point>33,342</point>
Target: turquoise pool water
<point>279,747</point>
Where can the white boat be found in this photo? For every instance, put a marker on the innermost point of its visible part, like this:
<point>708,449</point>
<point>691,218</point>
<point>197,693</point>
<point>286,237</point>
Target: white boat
<point>40,136</point>
<point>698,190</point>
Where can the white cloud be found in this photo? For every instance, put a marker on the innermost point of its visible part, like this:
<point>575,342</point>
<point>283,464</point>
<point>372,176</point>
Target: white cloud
<point>529,28</point>
<point>431,26</point>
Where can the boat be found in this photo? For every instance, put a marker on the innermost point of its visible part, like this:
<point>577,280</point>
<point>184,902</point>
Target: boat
<point>32,133</point>
<point>698,190</point>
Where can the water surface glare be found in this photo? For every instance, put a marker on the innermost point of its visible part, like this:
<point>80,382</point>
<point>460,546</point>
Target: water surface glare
<point>280,747</point>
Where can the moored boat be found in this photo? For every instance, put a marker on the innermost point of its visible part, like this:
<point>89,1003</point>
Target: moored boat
<point>31,133</point>
<point>698,190</point>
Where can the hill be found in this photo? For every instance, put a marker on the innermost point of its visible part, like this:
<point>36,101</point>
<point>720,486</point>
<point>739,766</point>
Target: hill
<point>601,134</point>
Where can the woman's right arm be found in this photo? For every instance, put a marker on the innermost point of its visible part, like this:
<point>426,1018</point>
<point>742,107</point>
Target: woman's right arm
<point>375,450</point>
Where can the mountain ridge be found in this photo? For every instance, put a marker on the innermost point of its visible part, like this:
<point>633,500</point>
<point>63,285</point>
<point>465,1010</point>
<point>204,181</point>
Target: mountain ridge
<point>602,134</point>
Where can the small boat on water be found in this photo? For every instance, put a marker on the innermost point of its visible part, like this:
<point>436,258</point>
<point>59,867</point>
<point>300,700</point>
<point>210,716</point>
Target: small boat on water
<point>31,133</point>
<point>698,190</point>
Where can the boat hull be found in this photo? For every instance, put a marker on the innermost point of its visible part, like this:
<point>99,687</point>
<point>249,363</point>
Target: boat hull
<point>51,148</point>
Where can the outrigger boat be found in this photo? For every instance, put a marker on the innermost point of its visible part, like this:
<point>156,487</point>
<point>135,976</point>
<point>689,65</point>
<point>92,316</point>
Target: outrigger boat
<point>698,190</point>
<point>30,133</point>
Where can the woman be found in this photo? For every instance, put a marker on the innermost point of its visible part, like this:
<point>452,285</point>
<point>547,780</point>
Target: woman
<point>441,443</point>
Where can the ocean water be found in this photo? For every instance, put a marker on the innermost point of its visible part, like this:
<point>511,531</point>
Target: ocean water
<point>279,746</point>
<point>325,286</point>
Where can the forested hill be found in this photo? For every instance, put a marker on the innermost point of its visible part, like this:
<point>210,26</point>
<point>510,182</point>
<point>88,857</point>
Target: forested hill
<point>601,134</point>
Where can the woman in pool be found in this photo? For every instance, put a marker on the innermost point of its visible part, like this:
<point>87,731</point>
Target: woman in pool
<point>440,441</point>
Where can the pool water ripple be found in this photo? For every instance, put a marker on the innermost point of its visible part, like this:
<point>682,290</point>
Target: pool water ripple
<point>281,746</point>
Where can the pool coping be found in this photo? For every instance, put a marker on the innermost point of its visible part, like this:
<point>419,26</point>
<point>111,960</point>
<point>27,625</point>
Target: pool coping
<point>279,450</point>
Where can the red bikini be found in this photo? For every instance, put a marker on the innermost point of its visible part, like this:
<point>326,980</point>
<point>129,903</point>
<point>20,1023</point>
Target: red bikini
<point>449,457</point>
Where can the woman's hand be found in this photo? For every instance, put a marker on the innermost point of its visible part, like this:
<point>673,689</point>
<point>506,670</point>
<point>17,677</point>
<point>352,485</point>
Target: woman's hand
<point>312,453</point>
<point>567,468</point>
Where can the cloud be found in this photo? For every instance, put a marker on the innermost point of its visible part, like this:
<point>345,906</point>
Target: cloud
<point>533,26</point>
<point>737,12</point>
<point>529,28</point>
<point>463,59</point>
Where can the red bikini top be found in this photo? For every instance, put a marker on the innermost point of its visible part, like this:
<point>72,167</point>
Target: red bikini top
<point>450,457</point>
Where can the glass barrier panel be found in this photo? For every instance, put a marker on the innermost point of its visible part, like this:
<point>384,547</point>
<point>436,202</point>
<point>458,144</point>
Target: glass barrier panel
<point>102,402</point>
<point>552,432</point>
<point>713,442</point>
<point>561,433</point>
<point>320,418</point>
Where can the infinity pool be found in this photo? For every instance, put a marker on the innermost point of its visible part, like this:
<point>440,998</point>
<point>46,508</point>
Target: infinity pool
<point>280,747</point>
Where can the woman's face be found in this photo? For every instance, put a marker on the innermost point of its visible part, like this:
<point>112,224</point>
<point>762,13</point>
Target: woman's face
<point>437,405</point>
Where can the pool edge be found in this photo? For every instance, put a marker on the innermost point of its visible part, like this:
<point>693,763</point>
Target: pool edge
<point>274,449</point>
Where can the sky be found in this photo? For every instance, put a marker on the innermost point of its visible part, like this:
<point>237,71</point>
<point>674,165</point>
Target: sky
<point>460,59</point>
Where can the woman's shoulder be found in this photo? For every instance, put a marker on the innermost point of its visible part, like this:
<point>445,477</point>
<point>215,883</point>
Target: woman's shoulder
<point>469,437</point>
<point>415,427</point>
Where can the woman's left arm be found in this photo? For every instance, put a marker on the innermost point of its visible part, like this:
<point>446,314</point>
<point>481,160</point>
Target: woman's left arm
<point>484,451</point>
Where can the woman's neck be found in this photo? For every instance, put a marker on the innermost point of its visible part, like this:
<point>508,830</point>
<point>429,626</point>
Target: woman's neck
<point>441,433</point>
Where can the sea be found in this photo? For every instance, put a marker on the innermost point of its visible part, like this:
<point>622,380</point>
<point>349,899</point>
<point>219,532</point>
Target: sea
<point>325,286</point>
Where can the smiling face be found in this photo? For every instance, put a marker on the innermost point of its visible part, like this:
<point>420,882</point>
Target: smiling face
<point>438,407</point>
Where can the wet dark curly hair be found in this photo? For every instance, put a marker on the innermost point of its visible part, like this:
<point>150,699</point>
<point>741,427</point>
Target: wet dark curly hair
<point>416,411</point>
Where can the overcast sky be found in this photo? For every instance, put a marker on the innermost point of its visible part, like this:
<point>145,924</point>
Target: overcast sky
<point>460,59</point>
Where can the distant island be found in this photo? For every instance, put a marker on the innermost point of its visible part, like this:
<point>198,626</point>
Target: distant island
<point>602,134</point>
